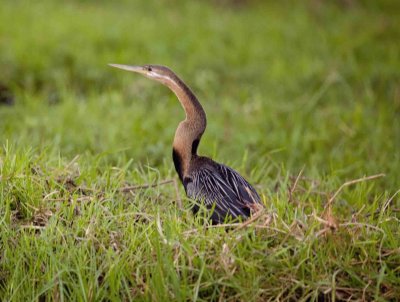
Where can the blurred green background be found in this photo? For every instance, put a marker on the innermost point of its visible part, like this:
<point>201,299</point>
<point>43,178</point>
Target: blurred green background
<point>293,84</point>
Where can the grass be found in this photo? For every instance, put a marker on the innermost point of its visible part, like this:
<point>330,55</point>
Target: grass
<point>301,98</point>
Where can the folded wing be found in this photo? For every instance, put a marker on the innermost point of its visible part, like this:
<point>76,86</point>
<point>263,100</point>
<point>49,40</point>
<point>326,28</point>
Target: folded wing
<point>224,189</point>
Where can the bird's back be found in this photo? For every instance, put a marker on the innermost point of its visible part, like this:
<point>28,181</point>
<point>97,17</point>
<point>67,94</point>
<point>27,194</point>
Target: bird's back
<point>220,187</point>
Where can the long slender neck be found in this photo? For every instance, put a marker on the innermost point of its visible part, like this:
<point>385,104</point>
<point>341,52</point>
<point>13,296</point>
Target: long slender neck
<point>190,130</point>
<point>193,109</point>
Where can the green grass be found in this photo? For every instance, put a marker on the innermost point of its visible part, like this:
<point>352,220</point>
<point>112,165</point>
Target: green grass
<point>290,89</point>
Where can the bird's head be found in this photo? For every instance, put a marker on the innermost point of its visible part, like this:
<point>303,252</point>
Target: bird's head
<point>155,72</point>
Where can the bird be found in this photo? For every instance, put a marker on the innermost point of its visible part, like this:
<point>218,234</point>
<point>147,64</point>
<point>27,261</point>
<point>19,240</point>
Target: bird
<point>222,190</point>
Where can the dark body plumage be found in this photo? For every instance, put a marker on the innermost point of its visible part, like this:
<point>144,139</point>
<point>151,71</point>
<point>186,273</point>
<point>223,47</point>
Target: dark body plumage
<point>217,186</point>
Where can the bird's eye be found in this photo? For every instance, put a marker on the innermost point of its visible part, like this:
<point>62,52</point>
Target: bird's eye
<point>149,68</point>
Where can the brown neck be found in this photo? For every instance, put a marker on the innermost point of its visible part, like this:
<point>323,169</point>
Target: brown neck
<point>193,109</point>
<point>190,130</point>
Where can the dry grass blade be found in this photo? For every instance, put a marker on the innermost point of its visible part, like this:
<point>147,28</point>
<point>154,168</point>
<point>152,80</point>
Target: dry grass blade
<point>352,182</point>
<point>72,162</point>
<point>178,197</point>
<point>251,220</point>
<point>291,190</point>
<point>145,186</point>
<point>328,219</point>
<point>32,227</point>
<point>387,203</point>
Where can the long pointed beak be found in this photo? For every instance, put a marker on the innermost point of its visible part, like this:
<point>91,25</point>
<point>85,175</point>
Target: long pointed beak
<point>138,69</point>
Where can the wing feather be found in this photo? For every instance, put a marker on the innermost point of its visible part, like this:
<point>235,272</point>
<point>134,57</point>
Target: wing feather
<point>224,187</point>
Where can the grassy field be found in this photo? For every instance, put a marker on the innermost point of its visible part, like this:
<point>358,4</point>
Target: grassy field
<point>302,99</point>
